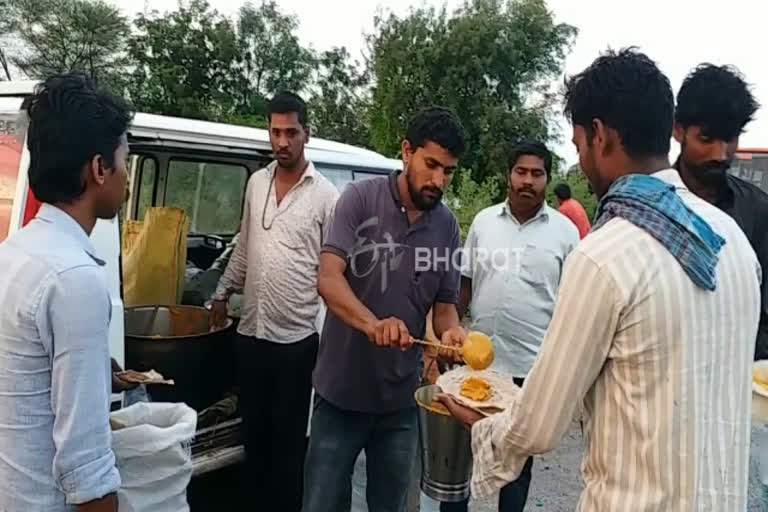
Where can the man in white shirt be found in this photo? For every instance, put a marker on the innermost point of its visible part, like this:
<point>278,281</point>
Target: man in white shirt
<point>654,326</point>
<point>288,206</point>
<point>514,255</point>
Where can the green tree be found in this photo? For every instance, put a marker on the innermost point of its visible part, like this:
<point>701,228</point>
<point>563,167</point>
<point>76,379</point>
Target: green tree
<point>271,58</point>
<point>467,198</point>
<point>580,190</point>
<point>185,63</point>
<point>67,35</point>
<point>491,62</point>
<point>339,108</point>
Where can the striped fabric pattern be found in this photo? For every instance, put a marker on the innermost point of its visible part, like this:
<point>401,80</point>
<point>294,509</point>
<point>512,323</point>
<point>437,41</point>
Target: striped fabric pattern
<point>661,366</point>
<point>654,206</point>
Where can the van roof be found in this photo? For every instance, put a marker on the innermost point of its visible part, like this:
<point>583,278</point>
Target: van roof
<point>176,129</point>
<point>168,129</point>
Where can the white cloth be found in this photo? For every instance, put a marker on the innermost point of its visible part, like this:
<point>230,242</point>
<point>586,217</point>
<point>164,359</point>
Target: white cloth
<point>277,267</point>
<point>663,366</point>
<point>515,271</point>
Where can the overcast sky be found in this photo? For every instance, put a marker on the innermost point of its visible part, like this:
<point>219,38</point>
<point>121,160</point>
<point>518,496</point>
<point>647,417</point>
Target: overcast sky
<point>678,34</point>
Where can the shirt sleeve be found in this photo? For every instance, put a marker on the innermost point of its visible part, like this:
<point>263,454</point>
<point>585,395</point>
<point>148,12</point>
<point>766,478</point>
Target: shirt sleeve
<point>346,223</point>
<point>540,414</point>
<point>469,254</point>
<point>233,278</point>
<point>328,208</point>
<point>74,315</point>
<point>448,292</point>
<point>572,238</point>
<point>761,347</point>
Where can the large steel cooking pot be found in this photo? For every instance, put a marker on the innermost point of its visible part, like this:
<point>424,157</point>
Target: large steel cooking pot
<point>176,341</point>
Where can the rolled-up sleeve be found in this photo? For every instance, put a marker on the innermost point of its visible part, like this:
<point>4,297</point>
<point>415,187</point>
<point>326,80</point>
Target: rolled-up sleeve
<point>75,315</point>
<point>540,414</point>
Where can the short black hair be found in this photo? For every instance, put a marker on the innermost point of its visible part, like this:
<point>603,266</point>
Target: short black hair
<point>717,99</point>
<point>534,148</point>
<point>70,122</point>
<point>439,125</point>
<point>627,92</point>
<point>288,103</point>
<point>563,191</point>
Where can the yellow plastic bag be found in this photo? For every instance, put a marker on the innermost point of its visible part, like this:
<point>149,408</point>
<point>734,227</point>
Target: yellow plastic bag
<point>154,257</point>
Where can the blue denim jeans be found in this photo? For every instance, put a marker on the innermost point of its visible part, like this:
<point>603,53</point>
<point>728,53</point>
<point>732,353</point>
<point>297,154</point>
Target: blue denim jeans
<point>337,437</point>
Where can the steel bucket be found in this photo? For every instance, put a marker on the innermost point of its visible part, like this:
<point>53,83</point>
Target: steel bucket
<point>446,450</point>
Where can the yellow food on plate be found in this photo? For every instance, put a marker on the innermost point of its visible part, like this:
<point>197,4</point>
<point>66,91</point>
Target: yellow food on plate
<point>476,389</point>
<point>477,351</point>
<point>759,379</point>
<point>435,407</point>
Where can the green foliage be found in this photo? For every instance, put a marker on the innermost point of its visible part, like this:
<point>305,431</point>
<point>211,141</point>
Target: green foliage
<point>339,107</point>
<point>184,63</point>
<point>580,190</point>
<point>68,35</point>
<point>467,198</point>
<point>490,62</point>
<point>271,59</point>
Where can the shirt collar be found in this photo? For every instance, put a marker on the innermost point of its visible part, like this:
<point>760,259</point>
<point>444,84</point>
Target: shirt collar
<point>726,198</point>
<point>542,214</point>
<point>393,188</point>
<point>672,177</point>
<point>62,221</point>
<point>392,179</point>
<point>309,173</point>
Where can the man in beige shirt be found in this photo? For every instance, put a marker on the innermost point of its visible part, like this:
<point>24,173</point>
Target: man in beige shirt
<point>657,345</point>
<point>288,206</point>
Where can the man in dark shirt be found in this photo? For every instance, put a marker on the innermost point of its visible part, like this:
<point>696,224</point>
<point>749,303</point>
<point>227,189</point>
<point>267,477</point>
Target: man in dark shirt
<point>714,105</point>
<point>388,259</point>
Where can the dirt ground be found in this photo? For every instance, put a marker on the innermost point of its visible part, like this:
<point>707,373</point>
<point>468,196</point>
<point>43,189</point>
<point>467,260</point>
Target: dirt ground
<point>556,483</point>
<point>555,486</point>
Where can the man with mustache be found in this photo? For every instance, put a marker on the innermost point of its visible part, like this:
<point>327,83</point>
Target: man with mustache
<point>288,206</point>
<point>654,326</point>
<point>514,253</point>
<point>714,105</point>
<point>385,263</point>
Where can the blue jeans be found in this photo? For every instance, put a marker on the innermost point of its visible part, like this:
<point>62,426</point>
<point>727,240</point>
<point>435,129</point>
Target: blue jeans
<point>337,437</point>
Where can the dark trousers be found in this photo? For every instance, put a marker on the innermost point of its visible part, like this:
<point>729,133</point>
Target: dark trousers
<point>390,442</point>
<point>513,495</point>
<point>275,388</point>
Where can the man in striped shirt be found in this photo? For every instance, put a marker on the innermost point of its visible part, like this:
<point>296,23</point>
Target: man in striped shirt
<point>661,363</point>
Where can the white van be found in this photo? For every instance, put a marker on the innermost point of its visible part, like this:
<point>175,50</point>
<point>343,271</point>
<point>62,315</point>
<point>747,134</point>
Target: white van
<point>199,166</point>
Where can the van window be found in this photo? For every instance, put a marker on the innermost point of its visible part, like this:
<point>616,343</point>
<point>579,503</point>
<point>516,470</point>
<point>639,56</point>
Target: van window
<point>339,177</point>
<point>147,177</point>
<point>366,175</point>
<point>210,193</point>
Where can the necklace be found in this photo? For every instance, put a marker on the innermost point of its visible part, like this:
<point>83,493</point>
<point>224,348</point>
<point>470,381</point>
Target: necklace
<point>269,196</point>
<point>266,202</point>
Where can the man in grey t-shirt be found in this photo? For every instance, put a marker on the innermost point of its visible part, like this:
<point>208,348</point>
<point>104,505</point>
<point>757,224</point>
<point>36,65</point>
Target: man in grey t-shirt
<point>387,261</point>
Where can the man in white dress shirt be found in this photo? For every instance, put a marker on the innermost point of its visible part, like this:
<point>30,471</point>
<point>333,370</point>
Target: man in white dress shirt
<point>654,326</point>
<point>515,252</point>
<point>288,206</point>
